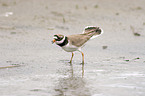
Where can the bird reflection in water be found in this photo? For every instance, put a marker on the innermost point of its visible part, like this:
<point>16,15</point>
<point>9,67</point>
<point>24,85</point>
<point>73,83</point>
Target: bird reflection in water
<point>72,84</point>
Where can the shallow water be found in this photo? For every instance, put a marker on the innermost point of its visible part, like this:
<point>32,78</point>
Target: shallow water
<point>60,78</point>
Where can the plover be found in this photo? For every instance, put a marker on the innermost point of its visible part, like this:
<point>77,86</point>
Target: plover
<point>73,43</point>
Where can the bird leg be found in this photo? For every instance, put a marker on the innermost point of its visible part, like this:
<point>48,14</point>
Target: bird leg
<point>82,70</point>
<point>82,57</point>
<point>71,57</point>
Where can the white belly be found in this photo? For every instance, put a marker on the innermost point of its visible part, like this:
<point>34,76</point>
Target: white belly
<point>70,48</point>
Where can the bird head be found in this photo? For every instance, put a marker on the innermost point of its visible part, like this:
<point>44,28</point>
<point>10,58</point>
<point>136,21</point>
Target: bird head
<point>58,38</point>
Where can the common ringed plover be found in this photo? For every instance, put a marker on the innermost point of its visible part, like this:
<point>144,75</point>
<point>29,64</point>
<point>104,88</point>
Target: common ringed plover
<point>73,43</point>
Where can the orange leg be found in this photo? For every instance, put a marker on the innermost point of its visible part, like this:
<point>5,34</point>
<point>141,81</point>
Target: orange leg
<point>82,57</point>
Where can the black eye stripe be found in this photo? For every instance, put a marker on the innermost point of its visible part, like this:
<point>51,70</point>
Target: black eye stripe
<point>58,38</point>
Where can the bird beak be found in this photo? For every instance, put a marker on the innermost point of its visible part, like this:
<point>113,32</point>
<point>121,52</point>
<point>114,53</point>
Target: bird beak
<point>53,41</point>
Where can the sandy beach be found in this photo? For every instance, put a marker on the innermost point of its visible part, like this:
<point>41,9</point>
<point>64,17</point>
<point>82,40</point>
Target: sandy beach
<point>30,65</point>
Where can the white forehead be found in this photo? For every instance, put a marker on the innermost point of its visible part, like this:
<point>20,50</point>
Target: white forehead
<point>55,37</point>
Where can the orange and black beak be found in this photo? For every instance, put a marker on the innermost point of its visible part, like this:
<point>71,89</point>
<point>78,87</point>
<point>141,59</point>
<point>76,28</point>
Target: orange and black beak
<point>53,41</point>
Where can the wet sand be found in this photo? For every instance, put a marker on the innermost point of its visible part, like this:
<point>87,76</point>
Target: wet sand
<point>31,66</point>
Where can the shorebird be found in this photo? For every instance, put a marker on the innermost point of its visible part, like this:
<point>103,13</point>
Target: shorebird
<point>73,43</point>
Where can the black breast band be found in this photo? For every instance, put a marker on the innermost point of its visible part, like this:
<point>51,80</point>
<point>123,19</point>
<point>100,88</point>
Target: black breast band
<point>64,42</point>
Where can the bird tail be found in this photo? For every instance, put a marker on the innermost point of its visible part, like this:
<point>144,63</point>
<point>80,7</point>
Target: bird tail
<point>93,31</point>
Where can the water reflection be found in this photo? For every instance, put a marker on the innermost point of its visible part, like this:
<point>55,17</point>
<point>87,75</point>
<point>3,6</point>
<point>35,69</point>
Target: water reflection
<point>71,84</point>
